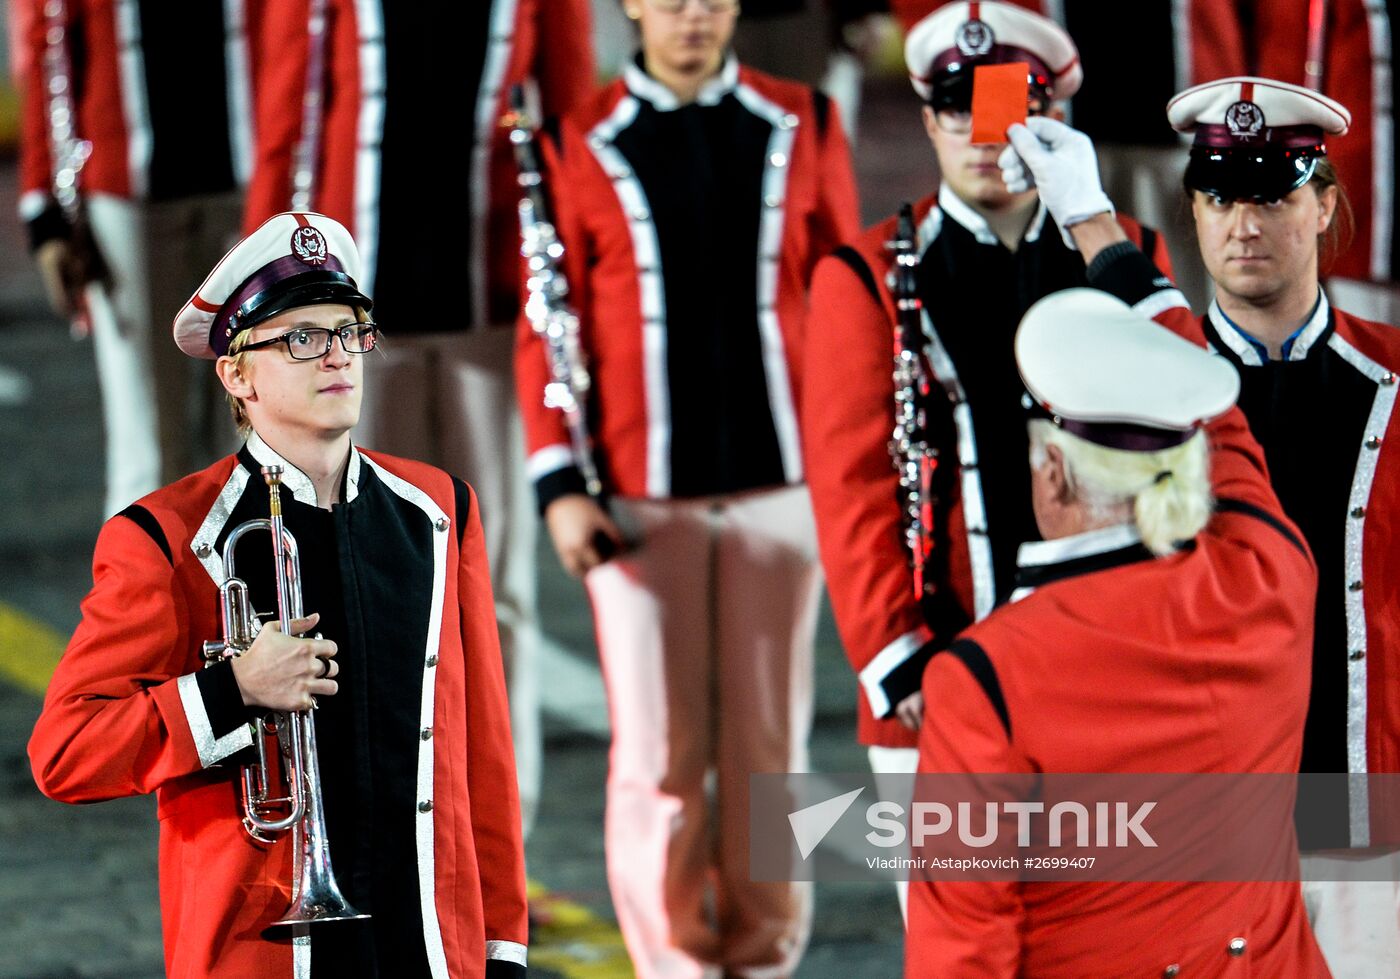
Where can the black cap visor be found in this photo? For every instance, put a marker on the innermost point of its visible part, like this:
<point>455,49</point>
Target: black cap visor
<point>952,85</point>
<point>1250,173</point>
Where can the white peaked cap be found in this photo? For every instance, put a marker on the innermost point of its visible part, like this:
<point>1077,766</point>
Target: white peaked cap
<point>1115,377</point>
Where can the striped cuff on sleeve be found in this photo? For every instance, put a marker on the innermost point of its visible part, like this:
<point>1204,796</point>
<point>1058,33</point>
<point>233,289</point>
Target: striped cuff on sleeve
<point>505,960</point>
<point>214,709</point>
<point>897,671</point>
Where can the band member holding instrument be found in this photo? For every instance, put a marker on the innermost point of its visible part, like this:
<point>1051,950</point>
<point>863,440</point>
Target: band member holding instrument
<point>122,225</point>
<point>693,198</point>
<point>397,652</point>
<point>364,110</point>
<point>982,256</point>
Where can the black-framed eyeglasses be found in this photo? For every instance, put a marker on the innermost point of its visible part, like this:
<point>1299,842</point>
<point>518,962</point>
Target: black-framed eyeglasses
<point>314,342</point>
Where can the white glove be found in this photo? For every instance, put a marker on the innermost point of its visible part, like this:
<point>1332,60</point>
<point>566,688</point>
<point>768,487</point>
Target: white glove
<point>1062,164</point>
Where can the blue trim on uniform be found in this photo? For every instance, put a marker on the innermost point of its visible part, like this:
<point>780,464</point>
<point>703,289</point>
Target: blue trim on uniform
<point>1259,347</point>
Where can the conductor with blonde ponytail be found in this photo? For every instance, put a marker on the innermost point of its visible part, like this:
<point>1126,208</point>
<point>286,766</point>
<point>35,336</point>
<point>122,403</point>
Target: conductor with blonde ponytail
<point>1163,624</point>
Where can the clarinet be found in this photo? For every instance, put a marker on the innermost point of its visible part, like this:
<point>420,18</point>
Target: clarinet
<point>914,459</point>
<point>68,152</point>
<point>547,294</point>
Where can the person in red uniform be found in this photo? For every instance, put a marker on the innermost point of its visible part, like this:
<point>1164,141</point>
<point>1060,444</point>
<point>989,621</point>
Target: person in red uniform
<point>394,129</point>
<point>421,812</point>
<point>694,197</point>
<point>1120,623</point>
<point>1264,198</point>
<point>985,255</point>
<point>123,80</point>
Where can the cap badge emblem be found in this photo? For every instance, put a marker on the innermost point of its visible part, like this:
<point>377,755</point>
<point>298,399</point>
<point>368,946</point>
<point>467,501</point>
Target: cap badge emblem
<point>975,38</point>
<point>309,245</point>
<point>1245,119</point>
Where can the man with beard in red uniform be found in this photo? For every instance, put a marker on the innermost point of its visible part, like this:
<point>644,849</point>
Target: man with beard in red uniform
<point>985,255</point>
<point>421,814</point>
<point>1147,634</point>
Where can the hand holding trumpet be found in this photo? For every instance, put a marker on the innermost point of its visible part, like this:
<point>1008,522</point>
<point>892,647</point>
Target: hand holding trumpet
<point>286,672</point>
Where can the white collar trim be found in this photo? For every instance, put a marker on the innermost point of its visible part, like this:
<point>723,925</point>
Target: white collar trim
<point>1102,541</point>
<point>303,491</point>
<point>960,211</point>
<point>643,86</point>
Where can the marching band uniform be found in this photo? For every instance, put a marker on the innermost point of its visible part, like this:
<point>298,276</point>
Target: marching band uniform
<point>967,279</point>
<point>1198,664</point>
<point>690,234</point>
<point>442,390</point>
<point>141,72</point>
<point>418,778</point>
<point>1349,366</point>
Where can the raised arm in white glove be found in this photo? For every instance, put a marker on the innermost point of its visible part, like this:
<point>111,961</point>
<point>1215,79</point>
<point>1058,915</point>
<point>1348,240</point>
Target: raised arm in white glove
<point>1061,163</point>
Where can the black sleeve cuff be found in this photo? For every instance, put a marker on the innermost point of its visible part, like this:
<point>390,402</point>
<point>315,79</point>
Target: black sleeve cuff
<point>223,701</point>
<point>49,225</point>
<point>561,482</point>
<point>500,969</point>
<point>1124,271</point>
<point>946,618</point>
<point>908,677</point>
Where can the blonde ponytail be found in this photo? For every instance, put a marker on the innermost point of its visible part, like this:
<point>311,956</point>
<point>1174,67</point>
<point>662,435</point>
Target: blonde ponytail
<point>1169,490</point>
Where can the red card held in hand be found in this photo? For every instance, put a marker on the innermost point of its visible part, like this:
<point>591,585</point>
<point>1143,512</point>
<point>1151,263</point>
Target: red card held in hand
<point>998,100</point>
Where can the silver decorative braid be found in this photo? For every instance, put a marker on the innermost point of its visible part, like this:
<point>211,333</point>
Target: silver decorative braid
<point>67,153</point>
<point>307,156</point>
<point>914,459</point>
<point>547,294</point>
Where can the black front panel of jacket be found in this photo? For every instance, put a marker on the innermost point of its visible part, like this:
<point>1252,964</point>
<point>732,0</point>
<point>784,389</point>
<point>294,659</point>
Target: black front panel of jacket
<point>701,168</point>
<point>187,91</point>
<point>1112,113</point>
<point>434,55</point>
<point>1310,417</point>
<point>975,295</point>
<point>367,570</point>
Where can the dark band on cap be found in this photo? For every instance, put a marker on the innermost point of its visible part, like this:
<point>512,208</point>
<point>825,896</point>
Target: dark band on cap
<point>1123,436</point>
<point>1288,137</point>
<point>284,284</point>
<point>950,75</point>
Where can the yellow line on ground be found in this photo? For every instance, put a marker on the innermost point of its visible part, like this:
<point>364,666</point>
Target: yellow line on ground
<point>29,650</point>
<point>574,942</point>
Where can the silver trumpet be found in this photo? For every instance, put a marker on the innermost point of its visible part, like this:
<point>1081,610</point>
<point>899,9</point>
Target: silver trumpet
<point>316,896</point>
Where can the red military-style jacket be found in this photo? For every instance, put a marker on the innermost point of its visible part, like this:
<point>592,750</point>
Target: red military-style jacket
<point>1120,662</point>
<point>141,71</point>
<point>690,235</point>
<point>412,156</point>
<point>431,794</point>
<point>974,293</point>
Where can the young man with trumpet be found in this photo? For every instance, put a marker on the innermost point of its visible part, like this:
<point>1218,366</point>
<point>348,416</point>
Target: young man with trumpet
<point>411,795</point>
